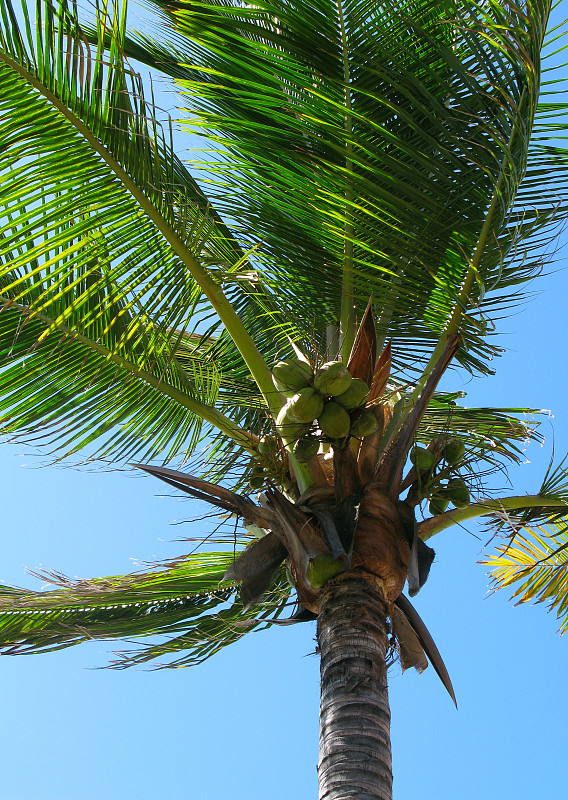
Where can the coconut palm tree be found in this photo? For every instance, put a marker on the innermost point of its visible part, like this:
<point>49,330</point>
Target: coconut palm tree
<point>380,182</point>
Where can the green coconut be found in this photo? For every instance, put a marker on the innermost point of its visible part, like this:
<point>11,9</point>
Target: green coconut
<point>321,568</point>
<point>291,374</point>
<point>458,493</point>
<point>355,395</point>
<point>334,421</point>
<point>306,405</point>
<point>267,445</point>
<point>289,429</point>
<point>332,378</point>
<point>421,458</point>
<point>438,505</point>
<point>256,481</point>
<point>306,448</point>
<point>364,425</point>
<point>454,452</point>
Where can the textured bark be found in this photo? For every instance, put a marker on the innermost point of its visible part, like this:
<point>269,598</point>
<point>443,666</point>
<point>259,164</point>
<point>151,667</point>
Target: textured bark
<point>355,756</point>
<point>382,541</point>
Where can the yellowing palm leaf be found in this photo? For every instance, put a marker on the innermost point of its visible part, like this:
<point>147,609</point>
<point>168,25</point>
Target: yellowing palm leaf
<point>535,563</point>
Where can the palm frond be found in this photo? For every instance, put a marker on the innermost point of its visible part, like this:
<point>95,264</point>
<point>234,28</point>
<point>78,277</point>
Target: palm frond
<point>183,601</point>
<point>536,565</point>
<point>493,435</point>
<point>554,488</point>
<point>108,248</point>
<point>384,149</point>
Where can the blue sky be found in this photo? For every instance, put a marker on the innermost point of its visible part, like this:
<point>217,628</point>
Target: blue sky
<point>244,724</point>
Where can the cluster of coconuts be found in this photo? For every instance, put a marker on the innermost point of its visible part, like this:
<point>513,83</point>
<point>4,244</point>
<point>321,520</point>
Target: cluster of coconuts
<point>325,405</point>
<point>445,486</point>
<point>267,465</point>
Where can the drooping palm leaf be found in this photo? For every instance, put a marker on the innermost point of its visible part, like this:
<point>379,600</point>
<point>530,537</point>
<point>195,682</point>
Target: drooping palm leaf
<point>533,556</point>
<point>182,601</point>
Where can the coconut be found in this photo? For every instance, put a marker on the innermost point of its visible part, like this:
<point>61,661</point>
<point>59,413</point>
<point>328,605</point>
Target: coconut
<point>306,448</point>
<point>291,374</point>
<point>267,445</point>
<point>334,421</point>
<point>355,395</point>
<point>256,481</point>
<point>289,429</point>
<point>332,378</point>
<point>438,505</point>
<point>421,458</point>
<point>306,405</point>
<point>364,425</point>
<point>458,493</point>
<point>454,452</point>
<point>321,568</point>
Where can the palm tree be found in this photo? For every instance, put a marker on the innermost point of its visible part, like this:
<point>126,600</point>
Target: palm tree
<point>381,182</point>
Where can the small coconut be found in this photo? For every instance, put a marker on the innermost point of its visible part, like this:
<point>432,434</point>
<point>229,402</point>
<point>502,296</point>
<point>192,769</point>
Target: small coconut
<point>289,429</point>
<point>334,421</point>
<point>355,395</point>
<point>458,493</point>
<point>364,425</point>
<point>256,481</point>
<point>321,568</point>
<point>306,448</point>
<point>267,445</point>
<point>291,374</point>
<point>306,405</point>
<point>454,452</point>
<point>332,378</point>
<point>438,505</point>
<point>421,458</point>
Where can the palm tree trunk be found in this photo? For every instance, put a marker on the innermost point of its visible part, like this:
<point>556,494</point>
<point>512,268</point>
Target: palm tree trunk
<point>355,754</point>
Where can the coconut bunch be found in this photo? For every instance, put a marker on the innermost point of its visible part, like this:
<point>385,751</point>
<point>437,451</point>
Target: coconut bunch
<point>328,407</point>
<point>437,476</point>
<point>324,406</point>
<point>335,405</point>
<point>269,465</point>
<point>331,470</point>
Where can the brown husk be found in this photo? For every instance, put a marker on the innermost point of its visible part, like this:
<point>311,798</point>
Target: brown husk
<point>369,450</point>
<point>381,544</point>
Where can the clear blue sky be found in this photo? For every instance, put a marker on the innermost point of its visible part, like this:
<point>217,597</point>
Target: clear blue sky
<point>244,724</point>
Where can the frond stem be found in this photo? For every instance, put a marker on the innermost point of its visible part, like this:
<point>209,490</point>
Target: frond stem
<point>472,274</point>
<point>434,525</point>
<point>347,314</point>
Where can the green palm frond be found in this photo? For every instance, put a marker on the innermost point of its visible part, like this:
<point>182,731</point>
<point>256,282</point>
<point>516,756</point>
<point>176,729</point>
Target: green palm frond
<point>487,433</point>
<point>382,148</point>
<point>105,241</point>
<point>536,565</point>
<point>183,601</point>
<point>105,247</point>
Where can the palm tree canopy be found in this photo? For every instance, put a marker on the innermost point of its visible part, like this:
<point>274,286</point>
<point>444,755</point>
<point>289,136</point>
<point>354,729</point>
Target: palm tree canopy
<point>406,151</point>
